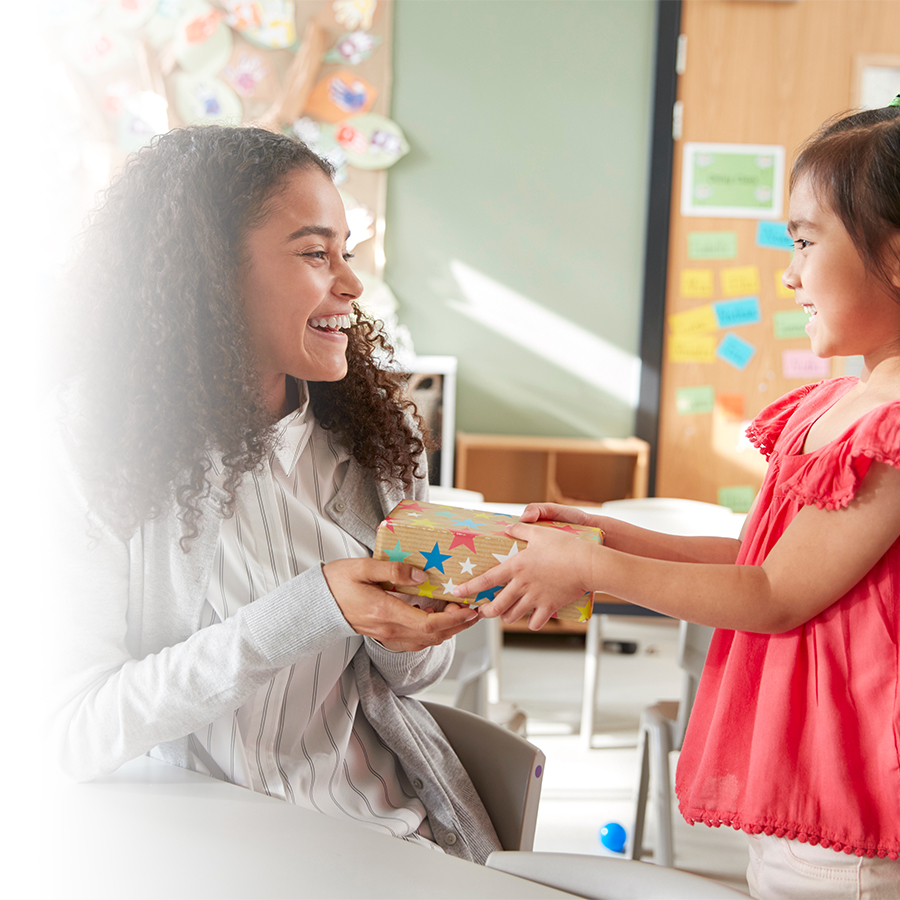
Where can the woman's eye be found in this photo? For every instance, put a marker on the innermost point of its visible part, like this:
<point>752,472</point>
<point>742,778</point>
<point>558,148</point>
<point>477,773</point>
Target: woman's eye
<point>349,256</point>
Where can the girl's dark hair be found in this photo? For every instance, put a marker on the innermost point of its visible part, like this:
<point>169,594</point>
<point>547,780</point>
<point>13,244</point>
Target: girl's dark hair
<point>853,163</point>
<point>154,337</point>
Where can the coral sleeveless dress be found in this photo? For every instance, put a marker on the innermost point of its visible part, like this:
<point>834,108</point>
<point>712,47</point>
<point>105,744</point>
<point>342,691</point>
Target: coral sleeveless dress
<point>798,734</point>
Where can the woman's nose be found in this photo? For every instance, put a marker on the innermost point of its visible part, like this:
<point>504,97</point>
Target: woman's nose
<point>348,285</point>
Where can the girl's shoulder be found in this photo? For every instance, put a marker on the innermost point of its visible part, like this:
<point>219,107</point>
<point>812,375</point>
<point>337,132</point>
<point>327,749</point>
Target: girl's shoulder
<point>810,399</point>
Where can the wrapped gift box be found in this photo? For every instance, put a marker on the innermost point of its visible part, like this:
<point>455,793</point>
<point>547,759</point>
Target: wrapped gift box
<point>453,545</point>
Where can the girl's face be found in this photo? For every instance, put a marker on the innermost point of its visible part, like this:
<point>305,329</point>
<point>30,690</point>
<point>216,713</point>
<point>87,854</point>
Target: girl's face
<point>297,286</point>
<point>851,313</point>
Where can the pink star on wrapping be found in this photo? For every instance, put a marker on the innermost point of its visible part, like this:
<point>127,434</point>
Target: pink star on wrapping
<point>389,524</point>
<point>463,539</point>
<point>407,505</point>
<point>568,528</point>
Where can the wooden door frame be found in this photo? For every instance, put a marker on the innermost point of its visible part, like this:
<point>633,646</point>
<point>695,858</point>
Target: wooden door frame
<point>656,254</point>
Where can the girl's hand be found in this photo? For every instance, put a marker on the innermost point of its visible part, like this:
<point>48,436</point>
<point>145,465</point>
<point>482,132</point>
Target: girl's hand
<point>355,585</point>
<point>553,570</point>
<point>555,512</point>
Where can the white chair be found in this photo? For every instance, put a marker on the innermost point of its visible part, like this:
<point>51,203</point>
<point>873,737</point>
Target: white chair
<point>472,661</point>
<point>606,878</point>
<point>507,771</point>
<point>661,730</point>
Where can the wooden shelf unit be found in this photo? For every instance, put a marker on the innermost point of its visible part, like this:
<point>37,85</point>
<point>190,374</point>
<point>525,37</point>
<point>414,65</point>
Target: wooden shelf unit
<point>577,471</point>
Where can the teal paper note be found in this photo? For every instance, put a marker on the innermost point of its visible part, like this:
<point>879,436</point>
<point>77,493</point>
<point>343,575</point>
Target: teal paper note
<point>712,245</point>
<point>774,235</point>
<point>735,351</point>
<point>734,313</point>
<point>695,399</point>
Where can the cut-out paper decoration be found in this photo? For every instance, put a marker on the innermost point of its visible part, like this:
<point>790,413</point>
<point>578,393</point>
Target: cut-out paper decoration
<point>732,407</point>
<point>321,139</point>
<point>712,245</point>
<point>696,283</point>
<point>270,24</point>
<point>94,51</point>
<point>735,351</point>
<point>205,99</point>
<point>740,281</point>
<point>692,348</point>
<point>773,235</point>
<point>202,41</point>
<point>699,319</point>
<point>242,14</point>
<point>443,540</point>
<point>370,141</point>
<point>127,15</point>
<point>245,73</point>
<point>339,96</point>
<point>353,48</point>
<point>143,116</point>
<point>781,290</point>
<point>735,313</point>
<point>354,14</point>
<point>732,180</point>
<point>695,399</point>
<point>360,221</point>
<point>789,323</point>
<point>738,497</point>
<point>804,364</point>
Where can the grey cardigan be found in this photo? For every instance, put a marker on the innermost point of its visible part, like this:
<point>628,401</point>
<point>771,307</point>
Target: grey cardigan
<point>137,670</point>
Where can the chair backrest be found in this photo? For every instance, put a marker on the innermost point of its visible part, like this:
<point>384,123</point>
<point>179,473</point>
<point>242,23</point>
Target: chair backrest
<point>693,645</point>
<point>505,768</point>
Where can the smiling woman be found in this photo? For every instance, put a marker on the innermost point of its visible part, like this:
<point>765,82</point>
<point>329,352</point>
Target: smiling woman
<point>227,449</point>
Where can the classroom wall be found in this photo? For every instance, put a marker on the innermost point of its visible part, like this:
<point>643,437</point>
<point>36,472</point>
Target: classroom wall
<point>515,225</point>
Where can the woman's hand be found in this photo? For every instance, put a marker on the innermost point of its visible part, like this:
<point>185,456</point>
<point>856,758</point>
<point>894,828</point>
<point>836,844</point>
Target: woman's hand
<point>355,585</point>
<point>553,570</point>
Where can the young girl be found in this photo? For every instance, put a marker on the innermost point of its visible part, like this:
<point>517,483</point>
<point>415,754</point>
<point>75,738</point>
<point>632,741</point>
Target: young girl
<point>795,735</point>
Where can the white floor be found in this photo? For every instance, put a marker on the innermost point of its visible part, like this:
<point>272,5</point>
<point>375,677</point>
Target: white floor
<point>585,789</point>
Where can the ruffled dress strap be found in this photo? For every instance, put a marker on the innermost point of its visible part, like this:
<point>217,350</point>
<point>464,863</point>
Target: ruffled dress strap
<point>830,477</point>
<point>764,431</point>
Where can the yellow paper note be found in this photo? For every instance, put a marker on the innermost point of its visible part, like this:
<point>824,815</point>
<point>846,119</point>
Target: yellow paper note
<point>782,292</point>
<point>693,321</point>
<point>697,283</point>
<point>692,348</point>
<point>740,281</point>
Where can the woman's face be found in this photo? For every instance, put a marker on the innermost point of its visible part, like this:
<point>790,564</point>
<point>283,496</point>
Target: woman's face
<point>297,286</point>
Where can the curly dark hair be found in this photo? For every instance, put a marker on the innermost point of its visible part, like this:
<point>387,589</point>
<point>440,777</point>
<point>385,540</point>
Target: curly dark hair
<point>153,334</point>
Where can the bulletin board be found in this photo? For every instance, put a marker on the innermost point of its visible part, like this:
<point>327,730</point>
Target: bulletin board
<point>734,338</point>
<point>316,69</point>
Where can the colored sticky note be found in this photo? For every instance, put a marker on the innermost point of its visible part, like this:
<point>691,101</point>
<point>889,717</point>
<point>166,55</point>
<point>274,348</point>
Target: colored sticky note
<point>699,319</point>
<point>789,323</point>
<point>735,351</point>
<point>734,313</point>
<point>774,235</point>
<point>782,292</point>
<point>697,283</point>
<point>695,399</point>
<point>693,348</point>
<point>731,406</point>
<point>737,497</point>
<point>712,245</point>
<point>804,364</point>
<point>740,281</point>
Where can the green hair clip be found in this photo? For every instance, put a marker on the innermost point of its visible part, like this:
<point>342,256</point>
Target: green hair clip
<point>895,101</point>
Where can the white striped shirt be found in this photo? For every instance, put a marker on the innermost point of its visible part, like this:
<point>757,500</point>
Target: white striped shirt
<point>302,737</point>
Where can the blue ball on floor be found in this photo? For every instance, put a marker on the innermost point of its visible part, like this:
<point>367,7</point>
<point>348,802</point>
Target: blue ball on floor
<point>613,837</point>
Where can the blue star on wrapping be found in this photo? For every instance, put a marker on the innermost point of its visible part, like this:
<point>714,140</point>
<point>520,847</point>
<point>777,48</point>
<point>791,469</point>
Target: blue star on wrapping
<point>489,594</point>
<point>468,523</point>
<point>435,559</point>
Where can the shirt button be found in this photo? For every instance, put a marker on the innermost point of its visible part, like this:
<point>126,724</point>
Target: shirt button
<point>340,506</point>
<point>450,838</point>
<point>417,784</point>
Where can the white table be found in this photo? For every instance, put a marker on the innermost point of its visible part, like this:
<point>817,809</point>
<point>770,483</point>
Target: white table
<point>155,831</point>
<point>673,516</point>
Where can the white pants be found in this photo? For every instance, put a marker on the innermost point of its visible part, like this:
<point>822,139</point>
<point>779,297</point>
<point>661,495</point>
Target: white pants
<point>781,869</point>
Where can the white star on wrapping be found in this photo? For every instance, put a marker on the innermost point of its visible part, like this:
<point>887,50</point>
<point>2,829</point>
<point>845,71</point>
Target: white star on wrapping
<point>512,552</point>
<point>468,566</point>
<point>448,586</point>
